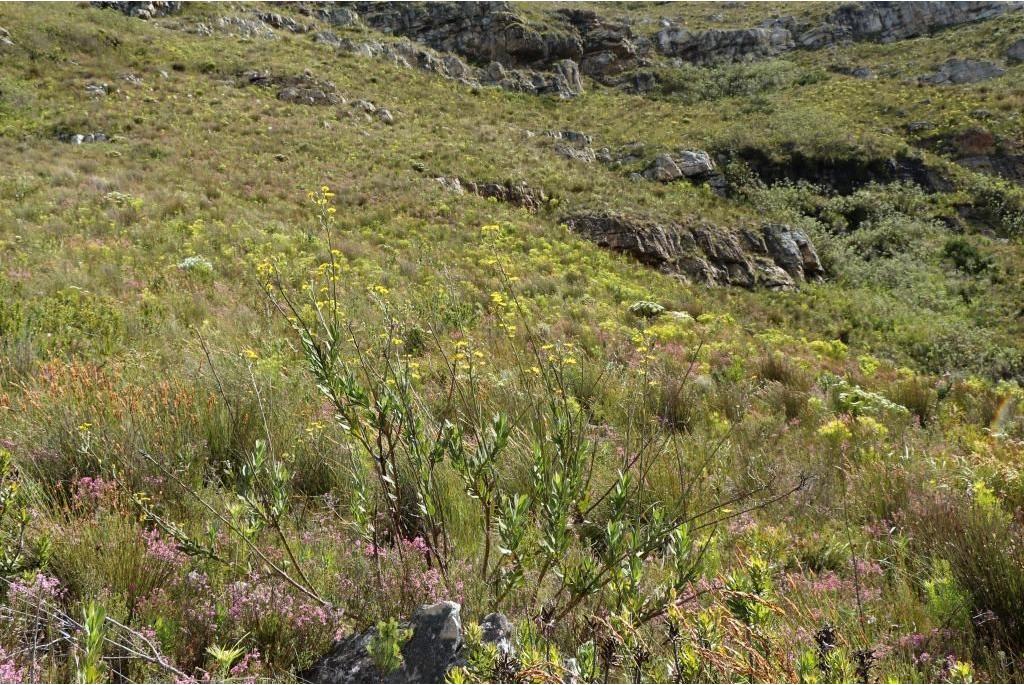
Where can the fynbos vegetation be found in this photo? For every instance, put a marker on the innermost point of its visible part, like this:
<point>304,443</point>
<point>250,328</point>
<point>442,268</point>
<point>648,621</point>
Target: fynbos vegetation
<point>500,342</point>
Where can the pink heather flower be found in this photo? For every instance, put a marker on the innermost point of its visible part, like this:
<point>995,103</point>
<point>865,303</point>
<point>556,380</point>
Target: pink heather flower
<point>10,672</point>
<point>41,587</point>
<point>417,544</point>
<point>163,550</point>
<point>88,490</point>
<point>250,661</point>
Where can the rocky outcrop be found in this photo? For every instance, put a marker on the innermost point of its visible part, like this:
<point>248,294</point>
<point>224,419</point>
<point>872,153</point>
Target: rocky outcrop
<point>724,45</point>
<point>302,89</point>
<point>142,10</point>
<point>886,22</point>
<point>519,194</point>
<point>869,21</point>
<point>279,21</point>
<point>608,47</point>
<point>696,166</point>
<point>958,71</point>
<point>563,80</point>
<point>5,37</point>
<point>506,50</point>
<point>774,256</point>
<point>980,150</point>
<point>689,164</point>
<point>243,27</point>
<point>483,32</point>
<point>433,649</point>
<point>333,13</point>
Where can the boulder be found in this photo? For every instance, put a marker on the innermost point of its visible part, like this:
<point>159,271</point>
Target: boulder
<point>690,164</point>
<point>5,37</point>
<point>499,631</point>
<point>663,169</point>
<point>434,648</point>
<point>142,10</point>
<point>958,71</point>
<point>792,250</point>
<point>1015,53</point>
<point>695,163</point>
<point>385,116</point>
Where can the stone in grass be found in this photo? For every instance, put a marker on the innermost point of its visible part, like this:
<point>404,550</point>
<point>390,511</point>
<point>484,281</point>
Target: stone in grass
<point>433,649</point>
<point>1015,53</point>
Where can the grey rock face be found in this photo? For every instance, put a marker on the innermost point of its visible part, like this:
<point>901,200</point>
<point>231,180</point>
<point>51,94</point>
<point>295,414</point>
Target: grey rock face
<point>282,22</point>
<point>877,21</point>
<point>609,47</point>
<point>695,163</point>
<point>5,37</point>
<point>564,80</point>
<point>519,194</point>
<point>333,13</point>
<point>724,45</point>
<point>480,31</point>
<point>773,256</point>
<point>890,21</point>
<point>244,27</point>
<point>957,71</point>
<point>1015,53</point>
<point>433,649</point>
<point>663,169</point>
<point>574,145</point>
<point>577,154</point>
<point>791,249</point>
<point>142,10</point>
<point>691,164</point>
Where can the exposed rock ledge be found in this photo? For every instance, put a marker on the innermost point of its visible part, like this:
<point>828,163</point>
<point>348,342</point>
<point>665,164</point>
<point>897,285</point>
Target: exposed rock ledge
<point>775,256</point>
<point>883,22</point>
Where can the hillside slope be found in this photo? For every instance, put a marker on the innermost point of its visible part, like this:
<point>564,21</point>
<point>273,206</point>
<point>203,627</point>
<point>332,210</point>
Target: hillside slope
<point>688,336</point>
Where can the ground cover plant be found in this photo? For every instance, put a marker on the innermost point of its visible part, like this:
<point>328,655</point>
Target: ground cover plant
<point>277,368</point>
